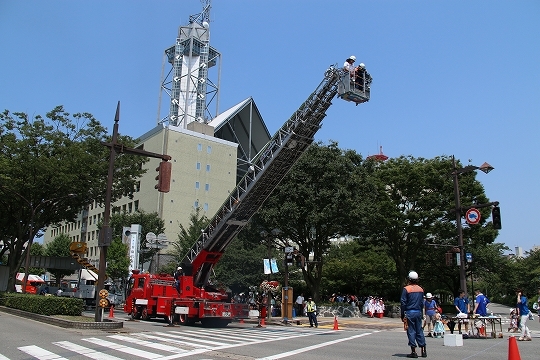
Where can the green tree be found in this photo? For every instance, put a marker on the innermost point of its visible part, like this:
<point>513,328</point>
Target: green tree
<point>37,249</point>
<point>321,198</point>
<point>150,222</point>
<point>415,210</point>
<point>51,168</point>
<point>187,237</point>
<point>59,247</point>
<point>117,260</point>
<point>241,266</point>
<point>351,268</point>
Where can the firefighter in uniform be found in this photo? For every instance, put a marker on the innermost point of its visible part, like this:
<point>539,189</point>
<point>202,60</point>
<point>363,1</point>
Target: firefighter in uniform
<point>412,305</point>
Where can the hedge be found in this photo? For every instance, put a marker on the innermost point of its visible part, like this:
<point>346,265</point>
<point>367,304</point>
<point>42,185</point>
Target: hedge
<point>44,305</point>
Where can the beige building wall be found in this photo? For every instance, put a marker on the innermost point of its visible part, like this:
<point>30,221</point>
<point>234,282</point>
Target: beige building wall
<point>203,174</point>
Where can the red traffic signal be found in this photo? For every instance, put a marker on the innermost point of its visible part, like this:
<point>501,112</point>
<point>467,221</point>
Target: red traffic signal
<point>164,176</point>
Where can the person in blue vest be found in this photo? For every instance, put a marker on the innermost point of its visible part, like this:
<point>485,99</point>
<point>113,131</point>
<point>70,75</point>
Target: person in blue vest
<point>481,302</point>
<point>412,306</point>
<point>523,312</point>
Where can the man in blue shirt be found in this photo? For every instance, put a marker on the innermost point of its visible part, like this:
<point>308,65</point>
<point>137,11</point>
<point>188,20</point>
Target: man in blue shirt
<point>412,306</point>
<point>523,312</point>
<point>480,307</point>
<point>462,306</point>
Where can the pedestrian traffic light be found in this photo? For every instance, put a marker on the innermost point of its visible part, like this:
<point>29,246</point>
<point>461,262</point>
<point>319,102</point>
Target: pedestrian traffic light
<point>164,176</point>
<point>496,217</point>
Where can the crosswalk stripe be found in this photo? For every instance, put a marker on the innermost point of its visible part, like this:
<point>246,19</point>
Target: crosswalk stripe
<point>174,336</point>
<point>173,341</point>
<point>2,357</point>
<point>147,343</point>
<point>122,348</point>
<point>91,353</point>
<point>203,335</point>
<point>40,353</point>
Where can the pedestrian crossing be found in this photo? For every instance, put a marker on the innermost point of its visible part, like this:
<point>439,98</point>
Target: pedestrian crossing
<point>160,345</point>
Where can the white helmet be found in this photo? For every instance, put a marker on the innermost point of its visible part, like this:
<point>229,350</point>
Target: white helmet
<point>413,275</point>
<point>362,65</point>
<point>352,57</point>
<point>179,268</point>
<point>429,296</point>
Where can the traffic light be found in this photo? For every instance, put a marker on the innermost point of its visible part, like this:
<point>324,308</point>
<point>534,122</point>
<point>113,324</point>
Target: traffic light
<point>449,258</point>
<point>164,176</point>
<point>496,217</point>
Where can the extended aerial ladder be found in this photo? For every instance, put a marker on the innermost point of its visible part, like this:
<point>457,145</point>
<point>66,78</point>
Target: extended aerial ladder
<point>268,168</point>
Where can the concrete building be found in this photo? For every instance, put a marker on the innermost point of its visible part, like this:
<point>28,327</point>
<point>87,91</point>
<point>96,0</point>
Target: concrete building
<point>210,151</point>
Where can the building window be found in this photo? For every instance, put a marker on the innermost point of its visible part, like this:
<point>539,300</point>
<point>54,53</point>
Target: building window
<point>207,167</point>
<point>196,204</point>
<point>205,206</point>
<point>197,185</point>
<point>206,187</point>
<point>209,149</point>
<point>199,147</point>
<point>198,166</point>
<point>130,207</point>
<point>136,205</point>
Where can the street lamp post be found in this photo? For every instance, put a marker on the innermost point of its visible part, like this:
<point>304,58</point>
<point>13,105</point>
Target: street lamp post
<point>485,168</point>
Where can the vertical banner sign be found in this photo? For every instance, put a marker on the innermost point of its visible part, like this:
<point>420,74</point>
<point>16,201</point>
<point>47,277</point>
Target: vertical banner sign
<point>136,230</point>
<point>458,259</point>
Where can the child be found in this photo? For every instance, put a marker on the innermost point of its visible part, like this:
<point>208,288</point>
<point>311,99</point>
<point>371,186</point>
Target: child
<point>438,328</point>
<point>513,327</point>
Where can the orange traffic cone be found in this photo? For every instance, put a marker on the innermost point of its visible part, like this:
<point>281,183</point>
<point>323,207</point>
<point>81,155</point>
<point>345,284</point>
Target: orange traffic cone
<point>513,351</point>
<point>262,322</point>
<point>335,323</point>
<point>111,312</point>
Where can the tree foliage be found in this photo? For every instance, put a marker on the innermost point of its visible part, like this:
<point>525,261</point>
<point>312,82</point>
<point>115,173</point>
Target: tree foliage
<point>117,259</point>
<point>415,202</point>
<point>51,168</point>
<point>59,247</point>
<point>241,266</point>
<point>188,236</point>
<point>150,222</point>
<point>321,198</point>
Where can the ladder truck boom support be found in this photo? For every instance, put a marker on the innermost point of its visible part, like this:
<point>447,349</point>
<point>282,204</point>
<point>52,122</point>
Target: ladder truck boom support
<point>267,170</point>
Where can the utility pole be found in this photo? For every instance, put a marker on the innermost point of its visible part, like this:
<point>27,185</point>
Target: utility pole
<point>105,233</point>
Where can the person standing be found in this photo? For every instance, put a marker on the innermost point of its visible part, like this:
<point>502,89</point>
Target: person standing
<point>311,309</point>
<point>300,305</point>
<point>412,305</point>
<point>523,312</point>
<point>430,305</point>
<point>462,306</point>
<point>480,306</point>
<point>349,65</point>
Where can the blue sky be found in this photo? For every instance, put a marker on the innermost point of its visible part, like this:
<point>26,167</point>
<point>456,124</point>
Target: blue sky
<point>449,77</point>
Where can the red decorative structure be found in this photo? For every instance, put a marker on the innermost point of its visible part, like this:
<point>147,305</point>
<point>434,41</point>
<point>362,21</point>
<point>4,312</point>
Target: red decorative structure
<point>380,156</point>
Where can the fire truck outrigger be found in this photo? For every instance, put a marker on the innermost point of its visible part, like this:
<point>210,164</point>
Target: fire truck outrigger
<point>151,295</point>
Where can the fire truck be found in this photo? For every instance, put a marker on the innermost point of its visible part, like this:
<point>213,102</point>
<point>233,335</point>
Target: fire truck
<point>194,299</point>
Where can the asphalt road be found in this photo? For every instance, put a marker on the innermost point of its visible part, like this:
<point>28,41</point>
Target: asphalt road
<point>362,338</point>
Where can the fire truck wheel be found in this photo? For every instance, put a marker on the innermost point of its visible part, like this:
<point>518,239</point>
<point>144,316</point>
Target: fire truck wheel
<point>135,315</point>
<point>185,320</point>
<point>144,314</point>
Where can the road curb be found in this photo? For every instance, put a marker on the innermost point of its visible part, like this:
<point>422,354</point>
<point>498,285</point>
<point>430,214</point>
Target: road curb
<point>105,325</point>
